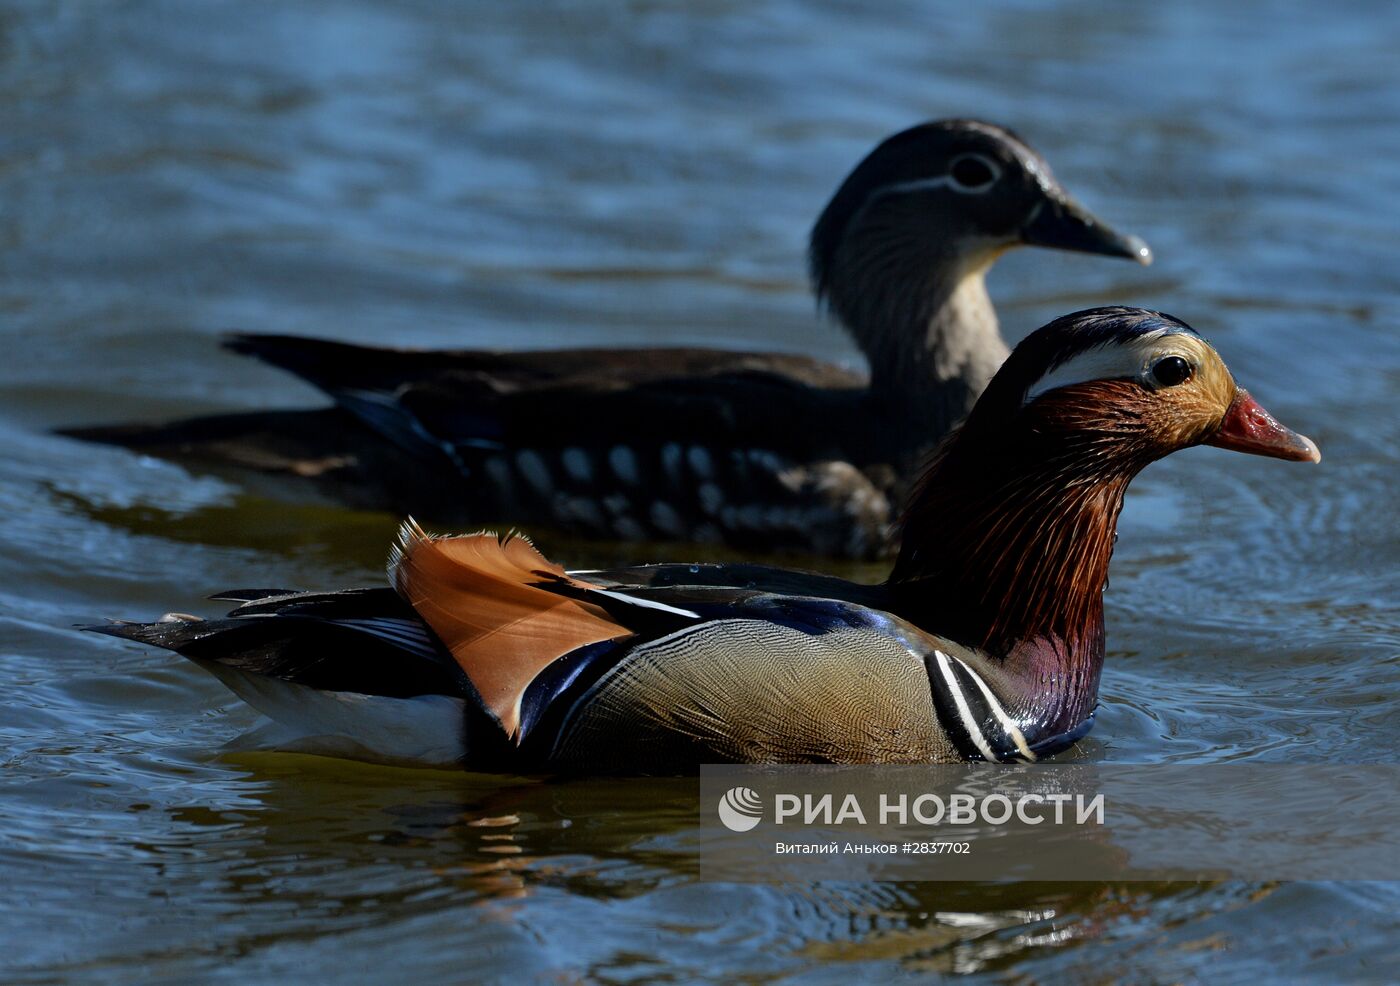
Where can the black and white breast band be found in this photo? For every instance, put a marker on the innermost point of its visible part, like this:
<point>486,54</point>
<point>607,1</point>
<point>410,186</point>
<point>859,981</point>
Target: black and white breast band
<point>977,722</point>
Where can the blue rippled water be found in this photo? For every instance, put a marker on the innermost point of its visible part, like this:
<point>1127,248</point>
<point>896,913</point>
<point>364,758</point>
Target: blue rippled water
<point>545,173</point>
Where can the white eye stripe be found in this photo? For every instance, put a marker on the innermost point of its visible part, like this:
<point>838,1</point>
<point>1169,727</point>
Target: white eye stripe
<point>1114,361</point>
<point>948,180</point>
<point>917,185</point>
<point>930,184</point>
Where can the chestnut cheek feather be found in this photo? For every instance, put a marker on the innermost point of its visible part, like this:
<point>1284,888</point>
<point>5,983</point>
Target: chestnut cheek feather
<point>1247,427</point>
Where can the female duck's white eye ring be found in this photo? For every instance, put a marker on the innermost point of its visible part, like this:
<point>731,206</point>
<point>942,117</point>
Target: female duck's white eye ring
<point>973,173</point>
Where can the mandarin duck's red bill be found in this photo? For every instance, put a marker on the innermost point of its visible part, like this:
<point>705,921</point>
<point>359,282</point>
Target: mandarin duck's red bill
<point>1247,427</point>
<point>985,643</point>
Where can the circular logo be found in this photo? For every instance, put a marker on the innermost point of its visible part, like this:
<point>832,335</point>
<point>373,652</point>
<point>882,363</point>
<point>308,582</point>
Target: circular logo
<point>740,809</point>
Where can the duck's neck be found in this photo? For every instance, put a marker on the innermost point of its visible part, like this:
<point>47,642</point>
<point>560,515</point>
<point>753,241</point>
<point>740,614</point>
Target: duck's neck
<point>1010,555</point>
<point>927,329</point>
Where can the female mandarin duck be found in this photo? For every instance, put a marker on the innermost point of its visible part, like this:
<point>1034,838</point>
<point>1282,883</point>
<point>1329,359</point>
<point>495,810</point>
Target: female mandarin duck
<point>986,641</point>
<point>693,444</point>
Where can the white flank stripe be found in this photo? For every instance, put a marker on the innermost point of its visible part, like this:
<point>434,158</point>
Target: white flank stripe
<point>1007,723</point>
<point>973,730</point>
<point>646,603</point>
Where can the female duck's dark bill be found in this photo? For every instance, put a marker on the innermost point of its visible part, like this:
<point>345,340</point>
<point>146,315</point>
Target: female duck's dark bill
<point>1247,427</point>
<point>1064,224</point>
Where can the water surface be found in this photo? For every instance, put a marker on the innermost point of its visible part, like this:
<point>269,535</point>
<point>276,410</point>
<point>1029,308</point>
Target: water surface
<point>538,174</point>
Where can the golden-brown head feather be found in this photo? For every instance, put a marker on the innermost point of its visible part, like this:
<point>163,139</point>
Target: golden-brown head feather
<point>1009,532</point>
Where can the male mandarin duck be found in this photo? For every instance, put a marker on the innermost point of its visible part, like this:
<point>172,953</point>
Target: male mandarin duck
<point>985,643</point>
<point>762,451</point>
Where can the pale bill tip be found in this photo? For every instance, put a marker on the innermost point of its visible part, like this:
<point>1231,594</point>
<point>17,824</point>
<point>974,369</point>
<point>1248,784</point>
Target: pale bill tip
<point>1315,453</point>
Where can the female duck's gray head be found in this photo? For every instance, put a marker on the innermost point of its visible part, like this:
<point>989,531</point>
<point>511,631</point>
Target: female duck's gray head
<point>900,252</point>
<point>957,189</point>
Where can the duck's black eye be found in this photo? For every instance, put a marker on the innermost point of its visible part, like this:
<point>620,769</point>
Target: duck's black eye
<point>1171,370</point>
<point>973,173</point>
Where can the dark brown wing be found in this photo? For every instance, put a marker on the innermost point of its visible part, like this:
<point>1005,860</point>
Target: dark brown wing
<point>755,460</point>
<point>758,451</point>
<point>337,366</point>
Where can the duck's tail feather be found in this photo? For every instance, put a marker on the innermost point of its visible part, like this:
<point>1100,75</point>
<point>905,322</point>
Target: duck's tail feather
<point>323,362</point>
<point>366,381</point>
<point>347,673</point>
<point>274,434</point>
<point>362,640</point>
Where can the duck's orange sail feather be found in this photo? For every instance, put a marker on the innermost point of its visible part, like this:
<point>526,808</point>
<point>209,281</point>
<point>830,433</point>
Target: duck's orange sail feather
<point>480,595</point>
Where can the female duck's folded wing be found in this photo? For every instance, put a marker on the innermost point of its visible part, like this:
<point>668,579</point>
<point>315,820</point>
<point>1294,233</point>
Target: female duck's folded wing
<point>749,458</point>
<point>650,449</point>
<point>336,367</point>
